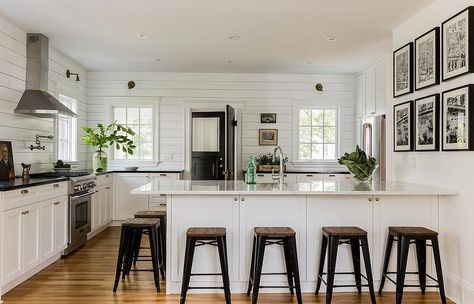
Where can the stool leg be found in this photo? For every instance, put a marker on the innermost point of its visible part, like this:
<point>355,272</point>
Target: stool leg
<point>333,246</point>
<point>154,256</point>
<point>439,271</point>
<point>322,259</point>
<point>159,248</point>
<point>421,260</point>
<point>252,266</point>
<point>188,264</point>
<point>401,271</point>
<point>123,235</point>
<point>163,239</point>
<point>258,268</point>
<point>221,241</point>
<point>388,251</point>
<point>289,266</point>
<point>296,272</point>
<point>368,268</point>
<point>137,248</point>
<point>129,251</point>
<point>355,249</point>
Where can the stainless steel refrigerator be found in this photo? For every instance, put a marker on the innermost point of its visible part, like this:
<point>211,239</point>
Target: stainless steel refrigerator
<point>373,142</point>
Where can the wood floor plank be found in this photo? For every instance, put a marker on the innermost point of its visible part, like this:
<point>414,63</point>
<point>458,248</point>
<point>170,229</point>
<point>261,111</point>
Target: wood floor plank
<point>87,276</point>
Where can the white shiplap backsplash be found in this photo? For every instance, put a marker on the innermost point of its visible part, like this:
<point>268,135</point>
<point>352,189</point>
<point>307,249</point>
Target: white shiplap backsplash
<point>21,129</point>
<point>252,94</point>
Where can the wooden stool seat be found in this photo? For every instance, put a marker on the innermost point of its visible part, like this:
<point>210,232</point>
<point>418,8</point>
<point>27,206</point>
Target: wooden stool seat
<point>412,232</point>
<point>150,214</point>
<point>405,236</point>
<point>274,232</point>
<point>141,222</point>
<point>344,232</point>
<point>206,232</point>
<point>200,236</point>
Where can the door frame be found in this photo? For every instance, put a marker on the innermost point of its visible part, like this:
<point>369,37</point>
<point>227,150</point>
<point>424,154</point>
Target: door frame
<point>217,106</point>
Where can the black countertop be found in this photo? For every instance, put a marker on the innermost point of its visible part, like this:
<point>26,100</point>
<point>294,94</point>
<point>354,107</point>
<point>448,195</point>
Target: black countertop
<point>18,183</point>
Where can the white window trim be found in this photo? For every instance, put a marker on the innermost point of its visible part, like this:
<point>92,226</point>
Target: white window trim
<point>296,133</point>
<point>135,102</point>
<point>66,92</point>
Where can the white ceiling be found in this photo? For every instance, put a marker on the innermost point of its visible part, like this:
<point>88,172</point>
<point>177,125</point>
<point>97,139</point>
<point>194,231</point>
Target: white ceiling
<point>276,36</point>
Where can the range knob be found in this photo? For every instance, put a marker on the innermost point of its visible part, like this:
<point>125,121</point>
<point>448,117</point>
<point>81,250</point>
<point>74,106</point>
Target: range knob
<point>76,188</point>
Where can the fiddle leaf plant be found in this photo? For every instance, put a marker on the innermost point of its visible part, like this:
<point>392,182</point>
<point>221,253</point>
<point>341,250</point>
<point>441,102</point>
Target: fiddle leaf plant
<point>114,135</point>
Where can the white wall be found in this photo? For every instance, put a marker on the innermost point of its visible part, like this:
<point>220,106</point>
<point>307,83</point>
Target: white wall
<point>251,93</point>
<point>444,169</point>
<point>21,129</point>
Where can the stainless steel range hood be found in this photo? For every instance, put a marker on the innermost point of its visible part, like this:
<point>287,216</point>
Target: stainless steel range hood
<point>36,100</point>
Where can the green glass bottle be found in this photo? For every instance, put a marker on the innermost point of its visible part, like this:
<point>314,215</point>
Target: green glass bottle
<point>251,176</point>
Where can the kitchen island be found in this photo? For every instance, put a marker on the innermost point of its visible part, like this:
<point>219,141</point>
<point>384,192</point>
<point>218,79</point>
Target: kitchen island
<point>305,207</point>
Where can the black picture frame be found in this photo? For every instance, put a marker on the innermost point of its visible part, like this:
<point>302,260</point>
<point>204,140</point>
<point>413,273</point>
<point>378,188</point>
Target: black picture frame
<point>435,32</point>
<point>268,118</point>
<point>470,44</point>
<point>470,119</point>
<point>409,146</point>
<point>435,122</point>
<point>409,89</point>
<point>262,141</point>
<point>7,165</point>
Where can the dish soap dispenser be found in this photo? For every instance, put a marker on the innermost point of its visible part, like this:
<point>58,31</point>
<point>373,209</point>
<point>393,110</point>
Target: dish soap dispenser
<point>251,175</point>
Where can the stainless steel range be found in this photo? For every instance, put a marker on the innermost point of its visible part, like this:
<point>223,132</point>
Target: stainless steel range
<point>81,189</point>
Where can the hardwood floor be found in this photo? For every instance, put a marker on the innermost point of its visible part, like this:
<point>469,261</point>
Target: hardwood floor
<point>87,277</point>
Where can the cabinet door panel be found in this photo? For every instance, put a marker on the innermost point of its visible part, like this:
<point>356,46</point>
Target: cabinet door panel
<point>30,237</point>
<point>380,87</point>
<point>370,98</point>
<point>60,218</point>
<point>103,205</point>
<point>11,245</point>
<point>46,230</point>
<point>95,210</point>
<point>127,204</point>
<point>109,203</point>
<point>272,211</point>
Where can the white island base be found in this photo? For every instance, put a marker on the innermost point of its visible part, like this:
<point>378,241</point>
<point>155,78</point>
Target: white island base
<point>305,207</point>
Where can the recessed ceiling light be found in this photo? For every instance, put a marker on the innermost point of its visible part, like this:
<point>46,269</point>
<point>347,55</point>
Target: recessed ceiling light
<point>234,37</point>
<point>309,62</point>
<point>157,60</point>
<point>143,35</point>
<point>229,61</point>
<point>332,39</point>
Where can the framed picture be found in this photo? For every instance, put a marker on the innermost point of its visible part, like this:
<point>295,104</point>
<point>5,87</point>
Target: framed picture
<point>457,122</point>
<point>427,59</point>
<point>458,44</point>
<point>403,127</point>
<point>7,167</point>
<point>268,137</point>
<point>268,118</point>
<point>427,123</point>
<point>403,70</point>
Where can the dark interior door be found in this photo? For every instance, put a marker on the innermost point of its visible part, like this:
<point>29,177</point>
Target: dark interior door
<point>231,123</point>
<point>208,146</point>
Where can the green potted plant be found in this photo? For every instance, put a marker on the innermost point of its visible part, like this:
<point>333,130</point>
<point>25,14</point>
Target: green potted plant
<point>265,162</point>
<point>114,135</point>
<point>359,164</point>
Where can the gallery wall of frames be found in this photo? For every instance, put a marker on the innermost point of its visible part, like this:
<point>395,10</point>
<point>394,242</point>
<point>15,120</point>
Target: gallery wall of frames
<point>446,119</point>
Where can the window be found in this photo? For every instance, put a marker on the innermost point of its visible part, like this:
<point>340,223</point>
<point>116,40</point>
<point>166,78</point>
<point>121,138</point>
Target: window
<point>317,134</point>
<point>140,120</point>
<point>67,131</point>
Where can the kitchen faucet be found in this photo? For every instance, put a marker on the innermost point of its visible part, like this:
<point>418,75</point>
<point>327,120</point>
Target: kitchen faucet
<point>38,142</point>
<point>280,175</point>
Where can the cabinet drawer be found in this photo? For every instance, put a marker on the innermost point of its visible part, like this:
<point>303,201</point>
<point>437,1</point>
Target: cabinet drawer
<point>266,178</point>
<point>157,198</point>
<point>157,206</point>
<point>104,179</point>
<point>165,176</point>
<point>25,196</point>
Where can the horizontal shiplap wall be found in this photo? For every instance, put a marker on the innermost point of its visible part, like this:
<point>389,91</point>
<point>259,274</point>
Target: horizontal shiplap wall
<point>21,129</point>
<point>256,93</point>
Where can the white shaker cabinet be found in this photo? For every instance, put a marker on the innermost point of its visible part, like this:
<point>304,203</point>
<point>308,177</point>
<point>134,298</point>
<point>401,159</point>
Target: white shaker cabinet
<point>371,92</point>
<point>11,248</point>
<point>127,204</point>
<point>102,204</point>
<point>60,223</point>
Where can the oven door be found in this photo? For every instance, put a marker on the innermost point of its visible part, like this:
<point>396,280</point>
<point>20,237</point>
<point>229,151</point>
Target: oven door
<point>80,218</point>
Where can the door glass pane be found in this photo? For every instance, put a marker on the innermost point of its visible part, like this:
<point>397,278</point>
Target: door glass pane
<point>205,134</point>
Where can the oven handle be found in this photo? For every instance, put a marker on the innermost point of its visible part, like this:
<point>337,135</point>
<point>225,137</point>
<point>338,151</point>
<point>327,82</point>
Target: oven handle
<point>82,195</point>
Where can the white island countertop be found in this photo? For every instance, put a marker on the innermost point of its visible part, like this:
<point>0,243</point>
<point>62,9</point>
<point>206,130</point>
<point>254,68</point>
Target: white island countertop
<point>324,187</point>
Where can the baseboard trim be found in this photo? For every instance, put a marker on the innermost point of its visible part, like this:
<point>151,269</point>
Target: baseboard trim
<point>99,230</point>
<point>459,290</point>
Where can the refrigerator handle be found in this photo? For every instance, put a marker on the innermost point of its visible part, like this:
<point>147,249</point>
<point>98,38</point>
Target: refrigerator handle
<point>367,138</point>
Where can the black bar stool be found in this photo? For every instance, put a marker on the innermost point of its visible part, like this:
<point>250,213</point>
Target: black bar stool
<point>131,230</point>
<point>405,236</point>
<point>356,238</point>
<point>162,238</point>
<point>283,236</point>
<point>201,236</point>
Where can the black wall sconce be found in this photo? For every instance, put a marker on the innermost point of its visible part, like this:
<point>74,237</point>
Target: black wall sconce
<point>69,74</point>
<point>319,87</point>
<point>131,84</point>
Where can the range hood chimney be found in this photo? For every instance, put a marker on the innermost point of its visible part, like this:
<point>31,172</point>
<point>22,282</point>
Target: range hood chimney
<point>36,100</point>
